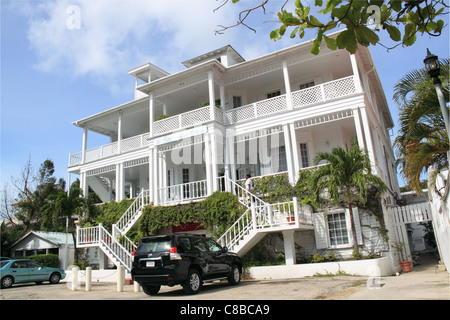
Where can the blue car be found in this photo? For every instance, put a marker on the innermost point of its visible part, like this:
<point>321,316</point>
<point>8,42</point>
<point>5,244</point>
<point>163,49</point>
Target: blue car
<point>21,271</point>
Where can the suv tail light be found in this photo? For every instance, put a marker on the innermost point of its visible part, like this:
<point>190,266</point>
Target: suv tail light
<point>173,254</point>
<point>132,255</point>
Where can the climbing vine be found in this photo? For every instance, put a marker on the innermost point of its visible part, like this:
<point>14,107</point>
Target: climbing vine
<point>216,213</point>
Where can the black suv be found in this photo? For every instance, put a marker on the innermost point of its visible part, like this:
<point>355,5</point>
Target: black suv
<point>182,259</point>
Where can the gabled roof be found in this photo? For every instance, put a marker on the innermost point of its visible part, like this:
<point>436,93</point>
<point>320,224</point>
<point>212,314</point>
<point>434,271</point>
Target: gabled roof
<point>213,54</point>
<point>56,238</point>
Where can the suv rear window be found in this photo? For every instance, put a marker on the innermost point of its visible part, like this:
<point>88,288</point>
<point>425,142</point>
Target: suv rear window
<point>154,245</point>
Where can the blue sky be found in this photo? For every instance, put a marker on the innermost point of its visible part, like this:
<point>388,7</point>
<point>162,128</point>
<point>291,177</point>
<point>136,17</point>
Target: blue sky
<point>52,74</point>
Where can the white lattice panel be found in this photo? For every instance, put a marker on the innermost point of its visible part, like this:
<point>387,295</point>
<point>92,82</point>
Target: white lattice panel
<point>166,125</point>
<point>307,96</point>
<point>240,114</point>
<point>339,88</point>
<point>194,117</point>
<point>271,105</point>
<point>131,143</point>
<point>218,114</point>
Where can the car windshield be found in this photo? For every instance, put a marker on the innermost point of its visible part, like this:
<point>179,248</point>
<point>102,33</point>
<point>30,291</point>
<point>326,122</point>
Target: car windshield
<point>3,263</point>
<point>154,245</point>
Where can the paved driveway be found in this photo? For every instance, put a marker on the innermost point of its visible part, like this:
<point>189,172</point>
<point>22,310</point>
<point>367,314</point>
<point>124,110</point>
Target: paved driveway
<point>289,289</point>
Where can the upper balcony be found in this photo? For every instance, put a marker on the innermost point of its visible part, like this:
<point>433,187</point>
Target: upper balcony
<point>301,99</point>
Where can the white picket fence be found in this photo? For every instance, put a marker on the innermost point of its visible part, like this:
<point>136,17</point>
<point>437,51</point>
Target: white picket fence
<point>403,215</point>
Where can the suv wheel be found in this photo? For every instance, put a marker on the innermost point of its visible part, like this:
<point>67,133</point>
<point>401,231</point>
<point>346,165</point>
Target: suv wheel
<point>149,289</point>
<point>235,275</point>
<point>193,282</point>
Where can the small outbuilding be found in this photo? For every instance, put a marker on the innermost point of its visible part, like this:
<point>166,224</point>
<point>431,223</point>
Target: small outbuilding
<point>43,242</point>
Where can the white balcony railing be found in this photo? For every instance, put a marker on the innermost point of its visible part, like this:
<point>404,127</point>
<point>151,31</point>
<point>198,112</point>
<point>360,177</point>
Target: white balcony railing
<point>300,99</point>
<point>183,192</point>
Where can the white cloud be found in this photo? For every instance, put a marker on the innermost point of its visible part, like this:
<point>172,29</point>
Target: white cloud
<point>115,36</point>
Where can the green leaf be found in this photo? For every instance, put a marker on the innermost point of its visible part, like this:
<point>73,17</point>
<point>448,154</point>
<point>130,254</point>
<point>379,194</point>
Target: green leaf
<point>316,45</point>
<point>368,34</point>
<point>315,22</point>
<point>331,43</point>
<point>275,35</point>
<point>293,33</point>
<point>410,34</point>
<point>394,33</point>
<point>351,43</point>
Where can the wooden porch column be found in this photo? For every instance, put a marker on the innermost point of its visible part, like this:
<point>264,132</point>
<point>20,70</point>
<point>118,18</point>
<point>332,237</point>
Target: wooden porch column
<point>295,155</point>
<point>287,84</point>
<point>155,176</point>
<point>119,133</point>
<point>367,133</point>
<point>212,95</point>
<point>84,145</point>
<point>356,78</point>
<point>151,108</point>
<point>359,132</point>
<point>288,148</point>
<point>209,184</point>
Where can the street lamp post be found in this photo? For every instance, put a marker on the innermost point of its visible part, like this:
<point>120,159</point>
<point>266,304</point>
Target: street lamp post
<point>432,65</point>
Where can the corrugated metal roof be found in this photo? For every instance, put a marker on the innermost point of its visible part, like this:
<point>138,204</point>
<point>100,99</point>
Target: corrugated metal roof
<point>57,237</point>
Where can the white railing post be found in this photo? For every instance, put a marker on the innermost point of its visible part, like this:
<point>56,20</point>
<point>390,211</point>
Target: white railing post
<point>296,212</point>
<point>269,214</point>
<point>253,215</point>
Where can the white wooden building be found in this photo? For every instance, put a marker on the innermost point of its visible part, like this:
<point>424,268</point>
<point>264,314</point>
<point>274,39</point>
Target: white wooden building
<point>188,134</point>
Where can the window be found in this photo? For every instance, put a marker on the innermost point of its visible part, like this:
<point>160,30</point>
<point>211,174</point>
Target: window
<point>282,161</point>
<point>213,246</point>
<point>34,264</point>
<point>19,265</point>
<point>184,245</point>
<point>198,245</point>
<point>273,94</point>
<point>304,157</point>
<point>337,228</point>
<point>307,85</point>
<point>237,101</point>
<point>186,192</point>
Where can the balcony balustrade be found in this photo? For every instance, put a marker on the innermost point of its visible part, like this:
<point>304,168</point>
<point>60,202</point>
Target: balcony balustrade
<point>300,99</point>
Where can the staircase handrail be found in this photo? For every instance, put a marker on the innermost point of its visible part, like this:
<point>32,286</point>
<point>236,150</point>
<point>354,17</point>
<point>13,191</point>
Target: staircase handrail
<point>138,204</point>
<point>247,221</point>
<point>248,195</point>
<point>123,239</point>
<point>117,250</point>
<point>237,231</point>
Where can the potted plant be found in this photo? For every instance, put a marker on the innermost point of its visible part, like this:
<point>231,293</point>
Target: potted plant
<point>404,263</point>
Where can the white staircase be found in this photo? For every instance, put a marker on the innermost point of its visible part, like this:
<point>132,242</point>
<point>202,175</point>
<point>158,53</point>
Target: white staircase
<point>117,249</point>
<point>259,219</point>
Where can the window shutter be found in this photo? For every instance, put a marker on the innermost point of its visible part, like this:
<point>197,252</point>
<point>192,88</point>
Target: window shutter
<point>357,225</point>
<point>320,230</point>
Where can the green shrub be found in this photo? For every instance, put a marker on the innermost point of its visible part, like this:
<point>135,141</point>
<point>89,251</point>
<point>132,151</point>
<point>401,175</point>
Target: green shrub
<point>47,260</point>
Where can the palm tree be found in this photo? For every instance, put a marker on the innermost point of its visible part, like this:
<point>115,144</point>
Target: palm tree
<point>346,180</point>
<point>422,140</point>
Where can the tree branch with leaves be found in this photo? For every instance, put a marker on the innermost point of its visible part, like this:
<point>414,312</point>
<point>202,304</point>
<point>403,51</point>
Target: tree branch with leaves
<point>402,20</point>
